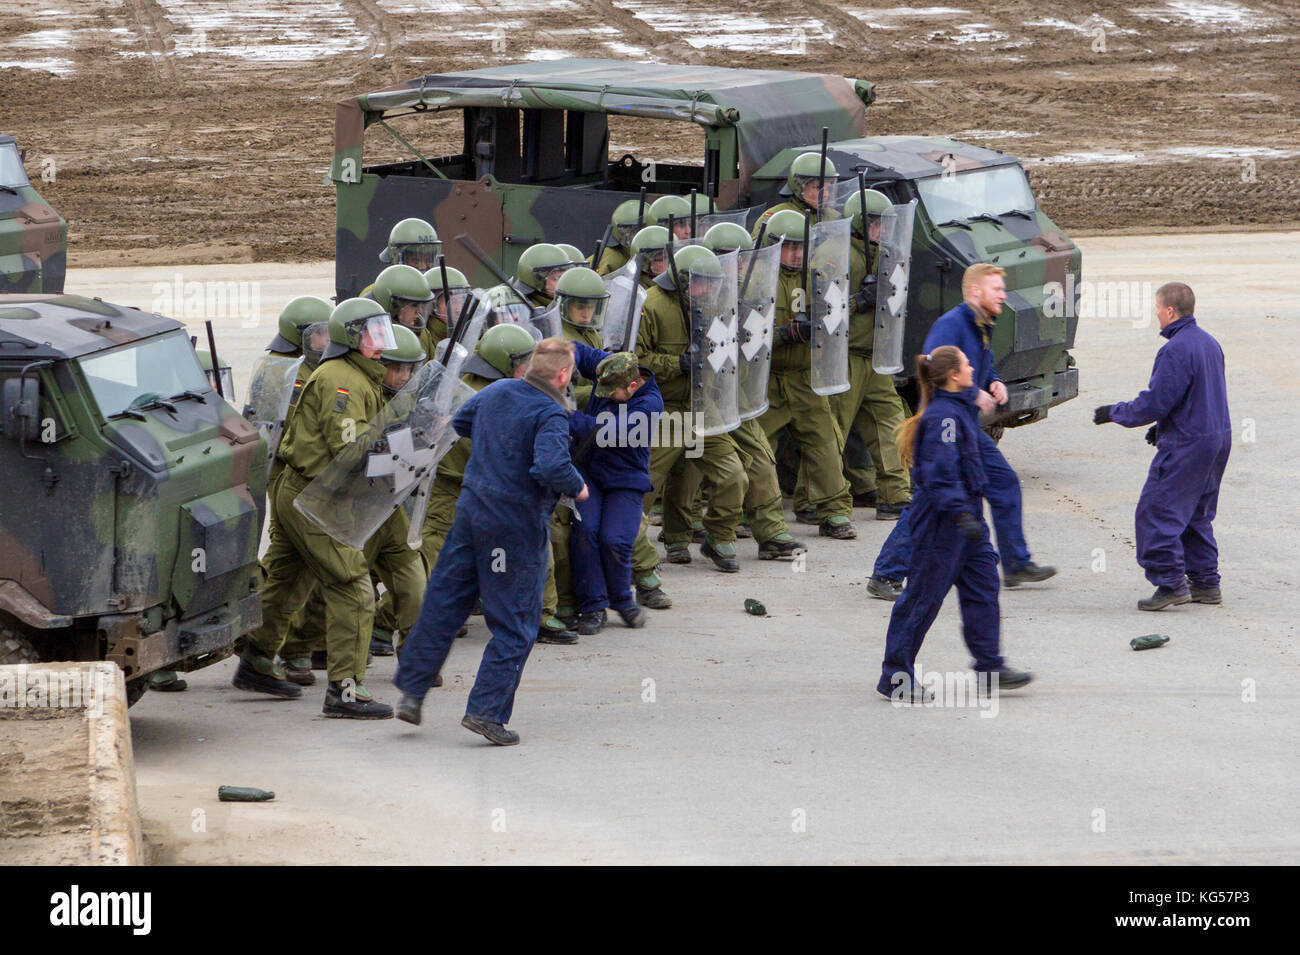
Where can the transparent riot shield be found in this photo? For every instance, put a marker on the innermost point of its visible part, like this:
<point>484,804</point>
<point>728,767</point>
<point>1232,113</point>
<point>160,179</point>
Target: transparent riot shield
<point>714,376</point>
<point>546,322</point>
<point>476,321</point>
<point>623,313</point>
<point>741,217</point>
<point>361,488</point>
<point>757,274</point>
<point>892,272</point>
<point>828,305</point>
<point>269,392</point>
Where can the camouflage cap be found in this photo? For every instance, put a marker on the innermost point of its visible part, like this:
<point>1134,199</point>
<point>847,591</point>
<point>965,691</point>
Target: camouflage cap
<point>614,372</point>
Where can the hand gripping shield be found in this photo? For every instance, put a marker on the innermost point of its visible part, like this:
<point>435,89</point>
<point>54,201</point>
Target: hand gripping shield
<point>714,351</point>
<point>893,270</point>
<point>623,314</point>
<point>828,305</point>
<point>759,271</point>
<point>392,455</point>
<point>269,393</point>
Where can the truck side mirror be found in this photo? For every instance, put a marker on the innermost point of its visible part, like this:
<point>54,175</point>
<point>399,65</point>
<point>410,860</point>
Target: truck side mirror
<point>20,409</point>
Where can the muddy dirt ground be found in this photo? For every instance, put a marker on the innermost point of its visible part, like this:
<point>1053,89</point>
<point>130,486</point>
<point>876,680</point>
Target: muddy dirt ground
<point>197,131</point>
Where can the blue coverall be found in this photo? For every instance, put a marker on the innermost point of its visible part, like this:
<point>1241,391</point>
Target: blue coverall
<point>496,549</point>
<point>947,480</point>
<point>618,479</point>
<point>1187,398</point>
<point>958,327</point>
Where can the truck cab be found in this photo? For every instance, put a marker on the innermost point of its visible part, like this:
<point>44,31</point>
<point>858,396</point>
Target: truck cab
<point>134,497</point>
<point>33,237</point>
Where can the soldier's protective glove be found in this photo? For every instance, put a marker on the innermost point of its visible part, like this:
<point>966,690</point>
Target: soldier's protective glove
<point>864,299</point>
<point>1101,415</point>
<point>1152,432</point>
<point>969,527</point>
<point>797,332</point>
<point>686,359</point>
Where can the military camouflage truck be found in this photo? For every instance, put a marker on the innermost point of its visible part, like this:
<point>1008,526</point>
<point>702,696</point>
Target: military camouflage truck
<point>33,237</point>
<point>535,165</point>
<point>134,496</point>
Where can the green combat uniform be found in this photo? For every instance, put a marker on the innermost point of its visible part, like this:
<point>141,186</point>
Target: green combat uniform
<point>332,411</point>
<point>871,407</point>
<point>612,258</point>
<point>340,397</point>
<point>662,338</point>
<point>793,404</point>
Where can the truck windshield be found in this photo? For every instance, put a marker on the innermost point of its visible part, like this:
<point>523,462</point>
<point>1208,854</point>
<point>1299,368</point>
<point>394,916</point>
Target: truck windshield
<point>11,167</point>
<point>134,376</point>
<point>990,192</point>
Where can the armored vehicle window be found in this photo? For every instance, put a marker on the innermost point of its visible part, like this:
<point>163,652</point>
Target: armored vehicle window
<point>133,375</point>
<point>990,191</point>
<point>11,167</point>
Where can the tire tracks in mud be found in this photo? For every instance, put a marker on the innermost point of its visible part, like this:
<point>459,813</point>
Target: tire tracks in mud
<point>644,33</point>
<point>373,23</point>
<point>158,37</point>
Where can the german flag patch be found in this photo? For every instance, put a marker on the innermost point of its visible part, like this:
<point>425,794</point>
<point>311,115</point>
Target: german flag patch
<point>341,399</point>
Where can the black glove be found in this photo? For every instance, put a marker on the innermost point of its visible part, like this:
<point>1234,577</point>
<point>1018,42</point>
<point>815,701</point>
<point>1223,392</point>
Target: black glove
<point>798,331</point>
<point>1101,415</point>
<point>1152,433</point>
<point>864,299</point>
<point>970,528</point>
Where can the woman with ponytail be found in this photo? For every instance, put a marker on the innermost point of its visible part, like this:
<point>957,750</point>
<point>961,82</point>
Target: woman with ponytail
<point>950,541</point>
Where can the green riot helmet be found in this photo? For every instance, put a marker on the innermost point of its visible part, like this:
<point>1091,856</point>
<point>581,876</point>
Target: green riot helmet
<point>583,297</point>
<point>877,205</point>
<point>648,246</point>
<point>298,314</point>
<point>573,252</point>
<point>412,242</point>
<point>405,295</point>
<point>538,264</point>
<point>227,378</point>
<point>677,208</point>
<point>315,339</point>
<point>403,360</point>
<point>787,228</point>
<point>359,324</point>
<point>508,308</point>
<point>625,222</point>
<point>457,288</point>
<point>806,168</point>
<point>727,237</point>
<point>506,347</point>
<point>693,262</point>
<point>786,225</point>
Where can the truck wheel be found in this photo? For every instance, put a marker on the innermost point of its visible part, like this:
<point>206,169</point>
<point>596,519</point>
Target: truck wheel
<point>135,689</point>
<point>15,648</point>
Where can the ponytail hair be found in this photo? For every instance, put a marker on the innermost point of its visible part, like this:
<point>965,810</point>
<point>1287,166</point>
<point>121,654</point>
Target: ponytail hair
<point>932,371</point>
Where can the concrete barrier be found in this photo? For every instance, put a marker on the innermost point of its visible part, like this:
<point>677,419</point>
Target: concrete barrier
<point>67,774</point>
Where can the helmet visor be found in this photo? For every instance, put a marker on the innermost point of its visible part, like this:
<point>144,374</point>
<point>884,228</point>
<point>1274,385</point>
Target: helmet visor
<point>411,313</point>
<point>374,334</point>
<point>314,339</point>
<point>419,255</point>
<point>582,312</point>
<point>447,305</point>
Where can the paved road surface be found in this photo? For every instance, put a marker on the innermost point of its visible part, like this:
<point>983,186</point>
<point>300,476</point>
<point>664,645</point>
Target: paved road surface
<point>763,740</point>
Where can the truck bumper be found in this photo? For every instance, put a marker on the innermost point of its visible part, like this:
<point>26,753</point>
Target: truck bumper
<point>186,644</point>
<point>1065,385</point>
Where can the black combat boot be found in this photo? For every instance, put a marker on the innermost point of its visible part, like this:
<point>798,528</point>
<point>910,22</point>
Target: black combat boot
<point>1165,597</point>
<point>259,673</point>
<point>493,732</point>
<point>781,547</point>
<point>354,702</point>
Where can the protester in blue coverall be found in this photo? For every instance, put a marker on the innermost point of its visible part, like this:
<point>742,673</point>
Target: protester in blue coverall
<point>949,539</point>
<point>496,550</point>
<point>612,436</point>
<point>969,327</point>
<point>1187,398</point>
